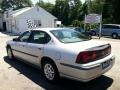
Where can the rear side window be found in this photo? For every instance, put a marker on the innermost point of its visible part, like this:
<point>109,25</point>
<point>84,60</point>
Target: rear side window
<point>115,27</point>
<point>110,27</point>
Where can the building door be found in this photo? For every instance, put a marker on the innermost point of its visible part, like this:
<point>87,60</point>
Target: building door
<point>4,26</point>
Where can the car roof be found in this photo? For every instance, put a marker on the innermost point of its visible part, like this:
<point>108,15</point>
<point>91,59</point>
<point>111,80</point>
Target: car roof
<point>49,29</point>
<point>112,24</point>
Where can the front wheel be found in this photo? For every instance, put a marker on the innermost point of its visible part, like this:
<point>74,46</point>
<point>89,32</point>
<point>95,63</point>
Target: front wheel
<point>9,53</point>
<point>114,35</point>
<point>93,33</point>
<point>50,71</point>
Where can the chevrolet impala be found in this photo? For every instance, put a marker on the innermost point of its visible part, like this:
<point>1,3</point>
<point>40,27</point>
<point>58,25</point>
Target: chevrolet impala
<point>62,52</point>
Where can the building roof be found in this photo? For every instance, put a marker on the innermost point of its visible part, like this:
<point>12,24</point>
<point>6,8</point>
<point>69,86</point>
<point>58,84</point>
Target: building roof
<point>18,12</point>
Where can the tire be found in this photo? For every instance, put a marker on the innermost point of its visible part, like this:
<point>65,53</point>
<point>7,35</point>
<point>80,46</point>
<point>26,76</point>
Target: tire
<point>89,35</point>
<point>93,33</point>
<point>50,71</point>
<point>114,35</point>
<point>10,53</point>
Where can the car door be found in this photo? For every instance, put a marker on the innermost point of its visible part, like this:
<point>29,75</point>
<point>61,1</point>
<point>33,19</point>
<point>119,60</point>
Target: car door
<point>20,45</point>
<point>36,45</point>
<point>107,30</point>
<point>104,29</point>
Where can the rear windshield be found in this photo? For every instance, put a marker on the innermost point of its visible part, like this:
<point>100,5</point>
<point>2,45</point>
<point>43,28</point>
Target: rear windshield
<point>69,36</point>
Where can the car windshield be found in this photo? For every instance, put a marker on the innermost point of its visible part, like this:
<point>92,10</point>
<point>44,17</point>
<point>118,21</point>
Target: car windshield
<point>69,36</point>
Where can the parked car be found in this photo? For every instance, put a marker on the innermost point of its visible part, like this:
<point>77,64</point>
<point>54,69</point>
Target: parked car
<point>61,52</point>
<point>112,30</point>
<point>81,30</point>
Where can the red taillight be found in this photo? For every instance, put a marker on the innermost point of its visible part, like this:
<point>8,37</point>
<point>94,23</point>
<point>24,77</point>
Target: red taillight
<point>85,57</point>
<point>109,49</point>
<point>94,55</point>
<point>89,56</point>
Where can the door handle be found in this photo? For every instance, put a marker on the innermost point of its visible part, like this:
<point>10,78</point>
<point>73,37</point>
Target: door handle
<point>39,48</point>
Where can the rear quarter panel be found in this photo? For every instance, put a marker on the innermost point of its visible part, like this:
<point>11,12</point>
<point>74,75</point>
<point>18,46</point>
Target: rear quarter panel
<point>60,55</point>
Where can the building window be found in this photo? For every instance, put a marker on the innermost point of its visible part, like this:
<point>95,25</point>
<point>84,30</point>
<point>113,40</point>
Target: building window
<point>37,23</point>
<point>7,14</point>
<point>30,24</point>
<point>33,23</point>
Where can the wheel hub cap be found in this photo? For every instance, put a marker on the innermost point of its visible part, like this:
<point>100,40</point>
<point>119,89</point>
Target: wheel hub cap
<point>9,54</point>
<point>49,71</point>
<point>114,36</point>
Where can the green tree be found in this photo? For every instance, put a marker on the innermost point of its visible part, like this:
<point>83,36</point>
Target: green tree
<point>77,23</point>
<point>75,10</point>
<point>68,10</point>
<point>84,10</point>
<point>15,4</point>
<point>61,11</point>
<point>107,11</point>
<point>104,7</point>
<point>47,6</point>
<point>116,12</point>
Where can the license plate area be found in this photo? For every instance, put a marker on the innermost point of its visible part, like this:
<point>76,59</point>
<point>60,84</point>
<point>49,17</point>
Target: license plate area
<point>105,64</point>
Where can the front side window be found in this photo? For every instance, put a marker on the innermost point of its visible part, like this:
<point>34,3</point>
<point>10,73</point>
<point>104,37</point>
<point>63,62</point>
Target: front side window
<point>79,29</point>
<point>24,37</point>
<point>39,37</point>
<point>105,26</point>
<point>69,36</point>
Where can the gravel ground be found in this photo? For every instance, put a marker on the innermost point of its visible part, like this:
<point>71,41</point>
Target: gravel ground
<point>16,75</point>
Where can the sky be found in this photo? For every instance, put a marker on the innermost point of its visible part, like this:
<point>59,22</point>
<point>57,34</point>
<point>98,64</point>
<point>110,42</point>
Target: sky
<point>51,1</point>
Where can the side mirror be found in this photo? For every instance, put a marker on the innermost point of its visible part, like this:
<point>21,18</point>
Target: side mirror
<point>15,39</point>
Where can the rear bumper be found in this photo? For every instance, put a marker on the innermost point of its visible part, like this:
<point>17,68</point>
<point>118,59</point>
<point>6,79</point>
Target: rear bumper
<point>85,74</point>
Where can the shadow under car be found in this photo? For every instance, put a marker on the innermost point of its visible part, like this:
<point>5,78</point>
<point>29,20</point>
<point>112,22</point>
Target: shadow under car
<point>101,83</point>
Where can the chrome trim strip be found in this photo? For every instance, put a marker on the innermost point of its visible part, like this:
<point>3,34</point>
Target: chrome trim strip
<point>25,53</point>
<point>76,67</point>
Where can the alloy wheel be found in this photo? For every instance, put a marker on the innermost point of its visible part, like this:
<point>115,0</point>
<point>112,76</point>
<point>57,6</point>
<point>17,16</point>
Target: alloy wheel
<point>9,53</point>
<point>114,36</point>
<point>49,71</point>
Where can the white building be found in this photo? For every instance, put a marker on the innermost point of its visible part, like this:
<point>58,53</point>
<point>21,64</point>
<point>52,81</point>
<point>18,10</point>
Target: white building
<point>1,22</point>
<point>28,18</point>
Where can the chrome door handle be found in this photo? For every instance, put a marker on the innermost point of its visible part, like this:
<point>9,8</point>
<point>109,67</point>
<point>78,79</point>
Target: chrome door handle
<point>39,48</point>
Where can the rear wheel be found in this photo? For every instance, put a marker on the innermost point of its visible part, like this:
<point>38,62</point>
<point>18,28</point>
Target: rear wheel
<point>50,71</point>
<point>114,35</point>
<point>9,53</point>
<point>93,33</point>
